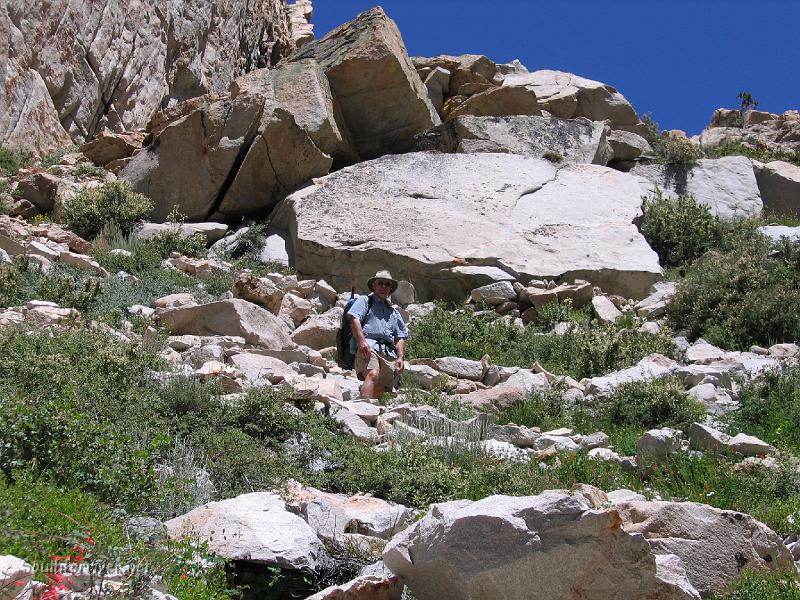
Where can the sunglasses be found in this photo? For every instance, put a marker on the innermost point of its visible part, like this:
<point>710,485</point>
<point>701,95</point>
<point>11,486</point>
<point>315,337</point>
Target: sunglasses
<point>383,282</point>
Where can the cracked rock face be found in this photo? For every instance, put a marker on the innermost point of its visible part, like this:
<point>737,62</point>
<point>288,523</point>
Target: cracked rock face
<point>240,153</point>
<point>433,216</point>
<point>78,66</point>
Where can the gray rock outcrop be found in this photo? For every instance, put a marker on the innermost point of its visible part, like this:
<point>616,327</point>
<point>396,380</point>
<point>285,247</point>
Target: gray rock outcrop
<point>569,96</point>
<point>575,140</point>
<point>433,216</point>
<point>255,528</point>
<point>779,184</point>
<point>537,547</point>
<point>256,325</point>
<point>239,153</point>
<point>726,185</point>
<point>78,67</point>
<point>715,545</point>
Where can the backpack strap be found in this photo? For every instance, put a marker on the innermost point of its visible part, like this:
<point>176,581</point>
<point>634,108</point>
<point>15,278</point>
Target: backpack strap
<point>370,300</point>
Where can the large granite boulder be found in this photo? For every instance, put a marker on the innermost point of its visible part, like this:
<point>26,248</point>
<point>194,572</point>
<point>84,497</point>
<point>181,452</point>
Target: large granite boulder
<point>254,528</point>
<point>240,153</point>
<point>537,547</point>
<point>568,96</point>
<point>726,185</point>
<point>575,140</point>
<point>78,67</point>
<point>439,220</point>
<point>779,184</point>
<point>256,325</point>
<point>382,98</point>
<point>715,545</point>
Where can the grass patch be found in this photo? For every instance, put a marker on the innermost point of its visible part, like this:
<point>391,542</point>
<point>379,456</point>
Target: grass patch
<point>769,496</point>
<point>761,154</point>
<point>586,350</point>
<point>763,585</point>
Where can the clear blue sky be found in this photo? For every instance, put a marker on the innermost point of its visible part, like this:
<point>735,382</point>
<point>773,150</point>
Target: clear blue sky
<point>676,59</point>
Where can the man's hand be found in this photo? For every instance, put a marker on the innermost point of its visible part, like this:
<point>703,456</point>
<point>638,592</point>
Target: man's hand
<point>400,348</point>
<point>363,348</point>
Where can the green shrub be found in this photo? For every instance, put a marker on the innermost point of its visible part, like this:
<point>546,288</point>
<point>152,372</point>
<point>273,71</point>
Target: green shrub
<point>763,585</point>
<point>11,161</point>
<point>249,243</point>
<point>681,230</point>
<point>59,441</point>
<point>112,203</point>
<point>553,156</point>
<point>40,520</point>
<point>769,407</point>
<point>649,404</point>
<point>632,408</point>
<point>743,296</point>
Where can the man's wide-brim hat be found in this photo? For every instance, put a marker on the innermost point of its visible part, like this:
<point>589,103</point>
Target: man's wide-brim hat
<point>382,275</point>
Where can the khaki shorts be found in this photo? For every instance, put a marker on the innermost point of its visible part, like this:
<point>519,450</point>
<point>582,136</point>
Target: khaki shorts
<point>377,362</point>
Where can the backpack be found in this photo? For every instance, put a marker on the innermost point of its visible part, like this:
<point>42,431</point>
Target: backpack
<point>344,356</point>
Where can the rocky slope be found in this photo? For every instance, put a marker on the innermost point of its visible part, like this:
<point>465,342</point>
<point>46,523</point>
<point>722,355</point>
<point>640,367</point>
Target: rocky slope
<point>517,196</point>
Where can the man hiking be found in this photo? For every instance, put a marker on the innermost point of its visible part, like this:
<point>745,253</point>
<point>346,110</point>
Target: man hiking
<point>379,337</point>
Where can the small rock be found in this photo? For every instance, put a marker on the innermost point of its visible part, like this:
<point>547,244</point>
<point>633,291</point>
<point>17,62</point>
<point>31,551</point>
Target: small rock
<point>749,445</point>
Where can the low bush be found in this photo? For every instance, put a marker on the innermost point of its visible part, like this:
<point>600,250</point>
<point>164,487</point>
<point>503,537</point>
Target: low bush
<point>747,295</point>
<point>635,406</point>
<point>647,405</point>
<point>51,526</point>
<point>681,230</point>
<point>86,169</point>
<point>112,203</point>
<point>769,407</point>
<point>585,350</point>
<point>668,149</point>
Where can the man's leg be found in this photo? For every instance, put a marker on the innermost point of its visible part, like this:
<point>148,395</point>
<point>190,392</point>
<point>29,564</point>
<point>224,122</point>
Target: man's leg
<point>372,388</point>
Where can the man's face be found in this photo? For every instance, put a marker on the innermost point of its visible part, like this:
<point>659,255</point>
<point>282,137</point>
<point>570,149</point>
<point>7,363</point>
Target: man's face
<point>382,288</point>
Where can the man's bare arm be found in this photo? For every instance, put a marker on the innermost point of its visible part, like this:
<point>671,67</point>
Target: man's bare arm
<point>400,347</point>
